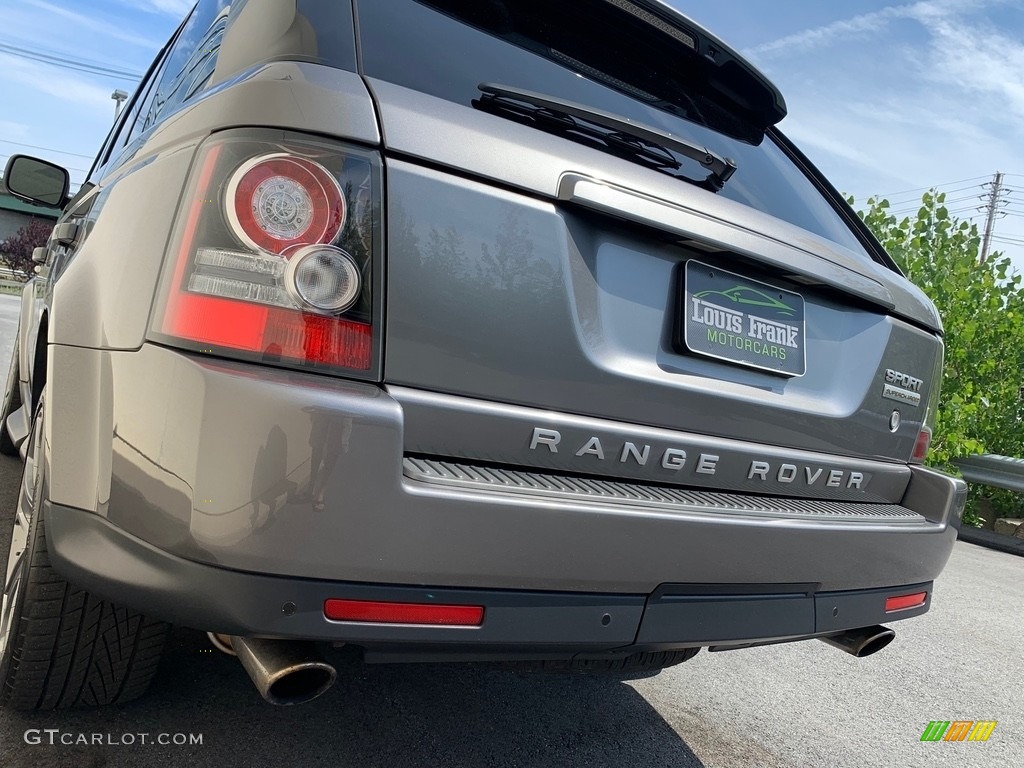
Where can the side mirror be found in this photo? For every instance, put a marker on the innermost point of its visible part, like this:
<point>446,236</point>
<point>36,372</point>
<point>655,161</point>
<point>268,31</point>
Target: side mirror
<point>37,181</point>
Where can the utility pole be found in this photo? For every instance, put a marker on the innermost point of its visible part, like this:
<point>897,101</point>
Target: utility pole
<point>992,208</point>
<point>119,98</point>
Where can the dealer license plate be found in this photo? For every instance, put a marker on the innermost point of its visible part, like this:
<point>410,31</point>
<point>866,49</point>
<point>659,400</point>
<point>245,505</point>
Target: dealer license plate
<point>731,317</point>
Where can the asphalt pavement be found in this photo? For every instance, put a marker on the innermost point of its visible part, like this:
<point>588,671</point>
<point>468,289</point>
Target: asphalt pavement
<point>802,704</point>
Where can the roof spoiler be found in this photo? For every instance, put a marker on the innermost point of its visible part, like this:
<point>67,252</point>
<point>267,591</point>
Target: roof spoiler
<point>734,81</point>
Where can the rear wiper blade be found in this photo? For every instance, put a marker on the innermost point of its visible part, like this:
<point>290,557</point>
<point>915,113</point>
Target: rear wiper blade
<point>618,134</point>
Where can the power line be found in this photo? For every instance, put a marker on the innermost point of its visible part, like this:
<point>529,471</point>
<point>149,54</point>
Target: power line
<point>911,204</point>
<point>3,159</point>
<point>948,206</point>
<point>61,59</point>
<point>66,62</point>
<point>958,213</point>
<point>45,149</point>
<point>931,186</point>
<point>949,202</point>
<point>938,190</point>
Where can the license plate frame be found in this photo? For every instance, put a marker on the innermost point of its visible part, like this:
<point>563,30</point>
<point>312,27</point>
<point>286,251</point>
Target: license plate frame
<point>737,319</point>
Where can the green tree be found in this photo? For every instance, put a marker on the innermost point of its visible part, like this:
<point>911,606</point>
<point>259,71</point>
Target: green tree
<point>982,308</point>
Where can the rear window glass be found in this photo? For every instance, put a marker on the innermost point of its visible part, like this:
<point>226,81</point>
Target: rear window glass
<point>593,53</point>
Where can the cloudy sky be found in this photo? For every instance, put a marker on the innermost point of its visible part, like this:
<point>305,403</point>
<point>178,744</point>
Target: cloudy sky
<point>885,98</point>
<point>889,98</point>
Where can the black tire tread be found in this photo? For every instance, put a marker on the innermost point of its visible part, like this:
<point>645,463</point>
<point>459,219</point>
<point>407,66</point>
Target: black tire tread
<point>7,446</point>
<point>73,649</point>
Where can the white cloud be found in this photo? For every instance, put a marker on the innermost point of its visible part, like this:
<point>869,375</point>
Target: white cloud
<point>979,61</point>
<point>823,136</point>
<point>56,83</point>
<point>171,7</point>
<point>935,95</point>
<point>91,23</point>
<point>809,39</point>
<point>12,130</point>
<point>864,24</point>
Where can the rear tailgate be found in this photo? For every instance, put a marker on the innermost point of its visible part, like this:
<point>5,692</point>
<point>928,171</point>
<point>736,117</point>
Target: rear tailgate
<point>525,268</point>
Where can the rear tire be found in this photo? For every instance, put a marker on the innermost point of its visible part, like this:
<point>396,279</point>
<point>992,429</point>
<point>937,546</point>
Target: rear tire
<point>59,645</point>
<point>11,403</point>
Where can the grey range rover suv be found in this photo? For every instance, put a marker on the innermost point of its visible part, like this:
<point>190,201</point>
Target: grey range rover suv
<point>479,330</point>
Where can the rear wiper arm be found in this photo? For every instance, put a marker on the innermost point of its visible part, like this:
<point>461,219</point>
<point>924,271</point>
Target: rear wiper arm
<point>618,133</point>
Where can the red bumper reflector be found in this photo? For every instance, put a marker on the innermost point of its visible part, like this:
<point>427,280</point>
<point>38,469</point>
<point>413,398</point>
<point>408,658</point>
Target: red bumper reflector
<point>901,602</point>
<point>405,613</point>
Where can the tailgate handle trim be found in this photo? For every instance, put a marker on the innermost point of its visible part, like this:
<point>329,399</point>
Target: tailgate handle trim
<point>672,217</point>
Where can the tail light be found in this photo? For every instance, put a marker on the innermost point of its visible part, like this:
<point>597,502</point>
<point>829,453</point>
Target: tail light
<point>278,201</point>
<point>931,414</point>
<point>921,445</point>
<point>275,254</point>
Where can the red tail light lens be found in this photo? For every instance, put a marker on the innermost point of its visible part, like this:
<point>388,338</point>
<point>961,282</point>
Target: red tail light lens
<point>931,413</point>
<point>921,445</point>
<point>278,201</point>
<point>275,254</point>
<point>404,613</point>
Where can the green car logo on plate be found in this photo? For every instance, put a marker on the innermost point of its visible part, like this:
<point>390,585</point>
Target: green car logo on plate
<point>741,294</point>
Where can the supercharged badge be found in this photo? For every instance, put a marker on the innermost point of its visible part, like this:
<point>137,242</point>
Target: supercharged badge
<point>902,388</point>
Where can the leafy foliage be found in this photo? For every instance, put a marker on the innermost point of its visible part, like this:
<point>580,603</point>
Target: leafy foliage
<point>16,251</point>
<point>982,307</point>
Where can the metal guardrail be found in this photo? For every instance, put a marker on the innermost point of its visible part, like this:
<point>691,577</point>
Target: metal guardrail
<point>996,471</point>
<point>11,286</point>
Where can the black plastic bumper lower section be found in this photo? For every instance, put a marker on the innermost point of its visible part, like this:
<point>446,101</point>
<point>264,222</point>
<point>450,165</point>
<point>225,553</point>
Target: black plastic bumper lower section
<point>96,555</point>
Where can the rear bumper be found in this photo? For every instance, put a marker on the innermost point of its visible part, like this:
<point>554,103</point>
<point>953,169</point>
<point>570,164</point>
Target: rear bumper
<point>221,463</point>
<point>100,557</point>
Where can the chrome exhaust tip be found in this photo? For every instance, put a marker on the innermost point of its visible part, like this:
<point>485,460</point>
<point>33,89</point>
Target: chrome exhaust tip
<point>284,672</point>
<point>221,642</point>
<point>861,642</point>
